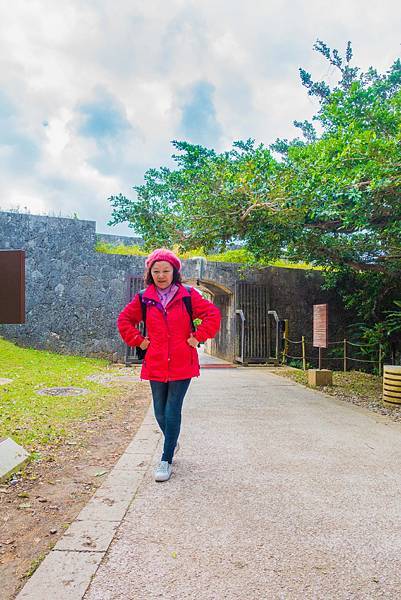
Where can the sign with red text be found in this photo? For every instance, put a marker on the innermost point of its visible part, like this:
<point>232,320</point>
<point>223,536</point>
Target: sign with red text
<point>320,325</point>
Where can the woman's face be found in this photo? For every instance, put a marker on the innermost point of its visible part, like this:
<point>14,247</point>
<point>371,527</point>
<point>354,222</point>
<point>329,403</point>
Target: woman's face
<point>162,273</point>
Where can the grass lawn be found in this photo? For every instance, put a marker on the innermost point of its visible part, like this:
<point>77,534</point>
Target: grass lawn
<point>34,421</point>
<point>74,443</point>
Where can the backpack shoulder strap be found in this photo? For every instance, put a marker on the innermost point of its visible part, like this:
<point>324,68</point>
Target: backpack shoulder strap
<point>188,305</point>
<point>143,306</point>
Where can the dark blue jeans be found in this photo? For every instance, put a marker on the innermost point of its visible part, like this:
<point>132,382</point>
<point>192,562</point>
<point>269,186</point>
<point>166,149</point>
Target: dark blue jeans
<point>167,404</point>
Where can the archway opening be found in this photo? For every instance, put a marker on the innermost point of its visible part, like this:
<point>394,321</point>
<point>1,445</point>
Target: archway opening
<point>221,345</point>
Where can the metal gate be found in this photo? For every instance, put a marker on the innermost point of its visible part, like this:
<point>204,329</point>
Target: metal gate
<point>134,285</point>
<point>254,334</point>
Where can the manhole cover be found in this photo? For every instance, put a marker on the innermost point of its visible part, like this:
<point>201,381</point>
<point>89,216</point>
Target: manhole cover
<point>4,380</point>
<point>62,391</point>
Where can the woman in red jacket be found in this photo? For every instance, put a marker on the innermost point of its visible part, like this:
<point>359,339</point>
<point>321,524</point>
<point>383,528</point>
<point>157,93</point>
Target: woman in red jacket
<point>171,358</point>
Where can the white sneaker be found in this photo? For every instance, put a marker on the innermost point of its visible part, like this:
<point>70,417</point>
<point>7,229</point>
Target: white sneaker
<point>163,471</point>
<point>177,447</point>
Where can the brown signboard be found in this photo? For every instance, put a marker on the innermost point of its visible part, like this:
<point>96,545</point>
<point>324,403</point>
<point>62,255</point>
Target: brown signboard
<point>12,286</point>
<point>320,325</point>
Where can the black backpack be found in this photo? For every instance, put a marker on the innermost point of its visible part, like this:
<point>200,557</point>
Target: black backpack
<point>188,305</point>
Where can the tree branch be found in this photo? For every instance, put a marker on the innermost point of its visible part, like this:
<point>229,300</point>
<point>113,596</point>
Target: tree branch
<point>354,264</point>
<point>389,257</point>
<point>272,205</point>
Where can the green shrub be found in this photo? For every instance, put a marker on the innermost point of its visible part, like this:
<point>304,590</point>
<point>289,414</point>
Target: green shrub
<point>238,256</point>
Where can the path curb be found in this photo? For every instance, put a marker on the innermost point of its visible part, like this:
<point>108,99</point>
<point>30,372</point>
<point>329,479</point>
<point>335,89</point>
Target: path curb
<point>67,570</point>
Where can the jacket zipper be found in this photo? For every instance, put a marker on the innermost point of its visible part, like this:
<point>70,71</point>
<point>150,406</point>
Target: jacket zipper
<point>168,343</point>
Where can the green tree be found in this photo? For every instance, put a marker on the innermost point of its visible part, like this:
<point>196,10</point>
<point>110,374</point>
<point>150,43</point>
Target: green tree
<point>204,201</point>
<point>330,197</point>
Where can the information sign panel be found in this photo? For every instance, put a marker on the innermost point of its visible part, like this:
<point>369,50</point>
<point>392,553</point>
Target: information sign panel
<point>320,325</point>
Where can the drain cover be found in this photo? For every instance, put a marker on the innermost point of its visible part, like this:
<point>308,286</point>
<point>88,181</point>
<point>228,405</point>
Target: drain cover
<point>62,391</point>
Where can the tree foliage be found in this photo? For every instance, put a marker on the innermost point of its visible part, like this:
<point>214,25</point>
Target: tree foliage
<point>330,197</point>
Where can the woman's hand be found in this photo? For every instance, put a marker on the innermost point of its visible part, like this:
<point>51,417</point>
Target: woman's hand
<point>144,344</point>
<point>192,341</point>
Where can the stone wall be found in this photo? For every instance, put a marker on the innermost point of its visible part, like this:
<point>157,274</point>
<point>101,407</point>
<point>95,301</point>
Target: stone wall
<point>74,294</point>
<point>117,240</point>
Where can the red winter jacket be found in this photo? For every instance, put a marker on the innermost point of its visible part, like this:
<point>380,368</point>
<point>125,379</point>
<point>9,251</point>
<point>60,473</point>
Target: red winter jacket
<point>169,356</point>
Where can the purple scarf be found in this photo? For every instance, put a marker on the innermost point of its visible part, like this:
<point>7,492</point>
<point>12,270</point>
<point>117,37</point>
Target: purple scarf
<point>167,294</point>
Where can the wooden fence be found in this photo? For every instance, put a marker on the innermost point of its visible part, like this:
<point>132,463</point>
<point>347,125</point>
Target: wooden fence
<point>343,355</point>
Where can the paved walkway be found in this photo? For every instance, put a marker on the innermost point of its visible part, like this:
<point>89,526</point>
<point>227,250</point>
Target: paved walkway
<point>205,360</point>
<point>278,492</point>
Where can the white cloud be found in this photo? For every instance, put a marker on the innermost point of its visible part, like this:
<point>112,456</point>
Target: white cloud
<point>147,57</point>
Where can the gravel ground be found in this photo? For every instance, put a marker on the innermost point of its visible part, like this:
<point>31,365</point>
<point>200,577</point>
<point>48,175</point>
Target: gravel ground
<point>278,492</point>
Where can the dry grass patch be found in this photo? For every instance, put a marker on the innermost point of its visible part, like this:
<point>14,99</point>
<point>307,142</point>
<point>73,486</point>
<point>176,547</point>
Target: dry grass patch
<point>356,387</point>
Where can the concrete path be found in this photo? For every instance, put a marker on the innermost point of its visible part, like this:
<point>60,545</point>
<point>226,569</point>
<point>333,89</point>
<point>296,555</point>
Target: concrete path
<point>205,360</point>
<point>278,492</point>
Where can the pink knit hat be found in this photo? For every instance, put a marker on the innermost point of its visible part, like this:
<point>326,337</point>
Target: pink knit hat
<point>163,254</point>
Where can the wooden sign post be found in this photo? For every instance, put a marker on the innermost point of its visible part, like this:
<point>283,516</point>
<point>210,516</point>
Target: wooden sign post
<point>12,286</point>
<point>317,377</point>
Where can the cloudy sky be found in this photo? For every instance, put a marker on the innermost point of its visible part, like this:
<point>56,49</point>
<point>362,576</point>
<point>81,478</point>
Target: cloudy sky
<point>93,91</point>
